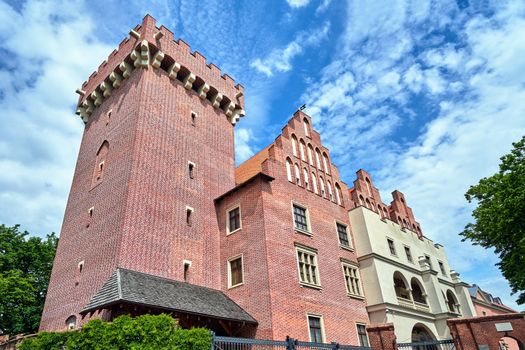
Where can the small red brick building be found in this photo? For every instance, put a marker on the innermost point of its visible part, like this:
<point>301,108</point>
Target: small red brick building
<point>159,220</point>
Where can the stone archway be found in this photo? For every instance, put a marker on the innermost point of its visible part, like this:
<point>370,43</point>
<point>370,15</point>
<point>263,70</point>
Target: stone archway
<point>510,343</point>
<point>421,333</point>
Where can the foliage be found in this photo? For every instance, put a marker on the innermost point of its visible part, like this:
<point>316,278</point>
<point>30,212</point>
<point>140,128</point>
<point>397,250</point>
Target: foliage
<point>500,216</point>
<point>25,267</point>
<point>144,332</point>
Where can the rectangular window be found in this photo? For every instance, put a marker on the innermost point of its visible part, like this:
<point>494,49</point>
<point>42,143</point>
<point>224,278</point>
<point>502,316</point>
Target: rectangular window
<point>442,268</point>
<point>189,216</point>
<point>193,118</point>
<point>362,335</point>
<point>234,220</point>
<point>191,169</point>
<point>408,254</point>
<point>315,328</point>
<point>235,273</point>
<point>342,232</point>
<point>300,218</point>
<point>391,246</point>
<point>427,258</point>
<point>307,261</point>
<point>352,282</point>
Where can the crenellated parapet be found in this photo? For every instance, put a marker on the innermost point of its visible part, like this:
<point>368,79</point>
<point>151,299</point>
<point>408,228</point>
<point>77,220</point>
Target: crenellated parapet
<point>150,47</point>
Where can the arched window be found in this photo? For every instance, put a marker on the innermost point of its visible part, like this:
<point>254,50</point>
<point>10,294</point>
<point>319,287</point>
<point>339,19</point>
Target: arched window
<point>405,223</point>
<point>369,186</point>
<point>361,200</point>
<point>71,322</point>
<point>306,127</point>
<point>368,205</point>
<point>101,162</point>
<point>310,154</point>
<point>326,162</point>
<point>385,212</point>
<point>452,302</point>
<point>321,182</point>
<point>289,169</point>
<point>379,211</point>
<point>400,286</point>
<point>330,192</point>
<point>305,176</point>
<point>338,194</point>
<point>318,158</point>
<point>314,182</point>
<point>294,145</point>
<point>302,147</point>
<point>297,175</point>
<point>418,293</point>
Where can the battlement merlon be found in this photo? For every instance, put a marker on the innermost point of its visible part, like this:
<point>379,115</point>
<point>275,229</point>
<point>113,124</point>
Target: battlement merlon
<point>172,56</point>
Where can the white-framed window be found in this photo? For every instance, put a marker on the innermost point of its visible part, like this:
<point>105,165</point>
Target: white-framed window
<point>391,246</point>
<point>308,267</point>
<point>362,335</point>
<point>301,218</point>
<point>408,254</point>
<point>233,219</point>
<point>442,268</point>
<point>342,235</point>
<point>235,271</point>
<point>352,279</point>
<point>315,328</point>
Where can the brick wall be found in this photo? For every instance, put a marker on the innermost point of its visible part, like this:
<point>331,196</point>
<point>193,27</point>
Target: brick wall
<point>382,337</point>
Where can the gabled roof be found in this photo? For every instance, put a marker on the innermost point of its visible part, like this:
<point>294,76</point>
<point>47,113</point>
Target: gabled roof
<point>127,286</point>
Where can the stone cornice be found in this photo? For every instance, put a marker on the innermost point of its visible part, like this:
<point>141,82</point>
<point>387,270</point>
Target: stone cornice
<point>393,262</point>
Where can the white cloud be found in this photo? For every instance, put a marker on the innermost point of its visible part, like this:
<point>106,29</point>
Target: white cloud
<point>243,151</point>
<point>298,3</point>
<point>280,60</point>
<point>474,102</point>
<point>40,134</point>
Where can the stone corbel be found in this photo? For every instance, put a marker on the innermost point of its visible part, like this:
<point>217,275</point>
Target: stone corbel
<point>237,114</point>
<point>126,69</point>
<point>106,89</point>
<point>80,92</point>
<point>88,106</point>
<point>203,90</point>
<point>158,35</point>
<point>97,98</point>
<point>81,111</point>
<point>116,80</point>
<point>157,59</point>
<point>134,34</point>
<point>188,81</point>
<point>228,109</point>
<point>141,58</point>
<point>173,70</point>
<point>216,100</point>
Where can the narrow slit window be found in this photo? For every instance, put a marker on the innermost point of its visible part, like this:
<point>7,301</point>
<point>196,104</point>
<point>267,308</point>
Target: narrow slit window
<point>193,118</point>
<point>191,170</point>
<point>189,216</point>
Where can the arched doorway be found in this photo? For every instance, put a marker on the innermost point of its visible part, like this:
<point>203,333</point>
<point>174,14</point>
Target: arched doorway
<point>421,333</point>
<point>509,343</point>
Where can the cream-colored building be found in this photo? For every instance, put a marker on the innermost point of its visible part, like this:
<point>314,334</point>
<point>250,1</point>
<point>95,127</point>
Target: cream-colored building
<point>406,277</point>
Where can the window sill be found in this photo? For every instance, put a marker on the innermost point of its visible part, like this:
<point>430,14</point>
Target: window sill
<point>236,286</point>
<point>232,232</point>
<point>355,296</point>
<point>303,232</point>
<point>310,285</point>
<point>350,249</point>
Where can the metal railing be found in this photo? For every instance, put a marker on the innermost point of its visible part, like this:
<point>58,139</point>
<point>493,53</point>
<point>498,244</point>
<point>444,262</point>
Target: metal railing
<point>230,343</point>
<point>428,345</point>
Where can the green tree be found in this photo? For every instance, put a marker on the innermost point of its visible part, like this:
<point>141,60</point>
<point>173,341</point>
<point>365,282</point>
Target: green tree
<point>25,267</point>
<point>499,218</point>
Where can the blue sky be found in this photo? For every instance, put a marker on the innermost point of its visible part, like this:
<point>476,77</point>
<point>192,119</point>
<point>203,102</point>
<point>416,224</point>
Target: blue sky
<point>425,95</point>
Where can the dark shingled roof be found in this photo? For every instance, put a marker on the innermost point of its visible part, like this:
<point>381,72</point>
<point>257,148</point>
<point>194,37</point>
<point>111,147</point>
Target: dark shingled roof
<point>127,286</point>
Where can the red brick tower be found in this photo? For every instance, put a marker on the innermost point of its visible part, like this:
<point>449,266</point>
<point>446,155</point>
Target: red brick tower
<point>157,149</point>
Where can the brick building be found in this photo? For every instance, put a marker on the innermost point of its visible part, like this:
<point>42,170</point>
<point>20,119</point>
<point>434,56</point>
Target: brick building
<point>159,220</point>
